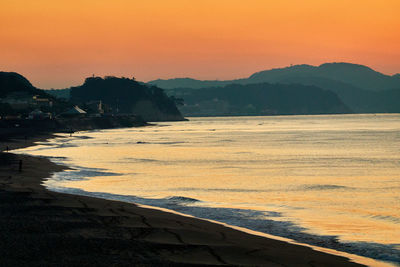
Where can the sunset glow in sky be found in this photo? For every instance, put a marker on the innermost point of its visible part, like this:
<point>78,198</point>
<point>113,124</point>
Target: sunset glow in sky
<point>59,43</point>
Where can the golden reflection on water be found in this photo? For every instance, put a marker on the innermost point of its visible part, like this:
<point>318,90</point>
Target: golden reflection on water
<point>333,175</point>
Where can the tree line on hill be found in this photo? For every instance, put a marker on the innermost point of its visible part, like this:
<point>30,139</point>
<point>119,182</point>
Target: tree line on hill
<point>124,95</point>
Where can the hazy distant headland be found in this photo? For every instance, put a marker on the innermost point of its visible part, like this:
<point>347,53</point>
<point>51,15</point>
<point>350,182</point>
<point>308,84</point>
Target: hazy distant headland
<point>359,88</point>
<point>260,99</point>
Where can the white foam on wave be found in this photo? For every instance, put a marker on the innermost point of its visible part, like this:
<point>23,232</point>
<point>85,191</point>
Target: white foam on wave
<point>260,221</point>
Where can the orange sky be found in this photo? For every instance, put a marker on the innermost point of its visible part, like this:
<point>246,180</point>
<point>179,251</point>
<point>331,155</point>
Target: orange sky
<point>56,43</point>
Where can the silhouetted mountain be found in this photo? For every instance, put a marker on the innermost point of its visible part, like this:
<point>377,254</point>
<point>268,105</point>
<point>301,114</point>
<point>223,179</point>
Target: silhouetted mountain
<point>359,100</point>
<point>260,99</point>
<point>357,75</point>
<point>19,96</point>
<point>11,82</point>
<point>125,95</point>
<point>359,87</point>
<point>385,101</point>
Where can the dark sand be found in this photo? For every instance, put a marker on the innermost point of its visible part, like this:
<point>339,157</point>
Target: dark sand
<point>43,228</point>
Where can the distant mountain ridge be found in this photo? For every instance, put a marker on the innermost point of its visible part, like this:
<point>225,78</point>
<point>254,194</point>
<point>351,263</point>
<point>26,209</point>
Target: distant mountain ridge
<point>357,75</point>
<point>361,88</point>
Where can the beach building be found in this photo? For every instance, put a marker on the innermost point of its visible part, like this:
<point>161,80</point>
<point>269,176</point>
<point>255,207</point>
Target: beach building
<point>74,112</point>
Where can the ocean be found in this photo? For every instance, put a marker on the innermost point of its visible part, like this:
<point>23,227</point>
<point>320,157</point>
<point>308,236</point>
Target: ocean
<point>331,181</point>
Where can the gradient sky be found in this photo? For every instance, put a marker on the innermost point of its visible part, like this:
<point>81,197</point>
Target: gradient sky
<point>57,43</point>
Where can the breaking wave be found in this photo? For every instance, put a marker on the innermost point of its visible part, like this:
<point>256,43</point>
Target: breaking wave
<point>261,221</point>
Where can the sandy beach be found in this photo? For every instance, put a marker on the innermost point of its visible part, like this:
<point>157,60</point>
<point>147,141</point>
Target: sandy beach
<point>44,228</point>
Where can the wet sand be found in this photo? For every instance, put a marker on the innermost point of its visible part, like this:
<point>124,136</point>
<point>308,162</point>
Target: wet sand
<point>43,228</point>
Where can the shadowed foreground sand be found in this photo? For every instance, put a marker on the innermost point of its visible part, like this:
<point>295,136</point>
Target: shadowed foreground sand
<point>43,228</point>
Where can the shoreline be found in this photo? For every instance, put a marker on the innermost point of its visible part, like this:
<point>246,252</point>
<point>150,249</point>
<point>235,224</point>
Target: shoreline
<point>142,236</point>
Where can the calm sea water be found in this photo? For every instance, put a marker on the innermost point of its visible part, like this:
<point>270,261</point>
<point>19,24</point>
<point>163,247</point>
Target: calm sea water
<point>331,181</point>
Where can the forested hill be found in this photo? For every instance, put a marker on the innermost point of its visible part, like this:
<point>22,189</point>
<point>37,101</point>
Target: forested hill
<point>260,99</point>
<point>125,95</point>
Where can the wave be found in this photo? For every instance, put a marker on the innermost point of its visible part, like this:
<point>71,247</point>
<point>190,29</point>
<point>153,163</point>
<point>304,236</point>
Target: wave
<point>242,190</point>
<point>83,137</point>
<point>160,143</point>
<point>47,146</point>
<point>261,221</point>
<point>325,187</point>
<point>134,160</point>
<point>179,199</point>
<point>233,190</point>
<point>81,174</point>
<point>386,218</point>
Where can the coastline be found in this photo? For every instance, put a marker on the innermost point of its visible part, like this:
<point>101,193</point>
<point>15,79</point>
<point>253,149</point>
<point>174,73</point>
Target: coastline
<point>45,228</point>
